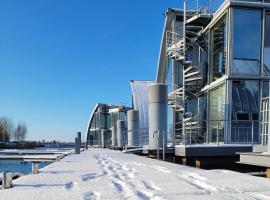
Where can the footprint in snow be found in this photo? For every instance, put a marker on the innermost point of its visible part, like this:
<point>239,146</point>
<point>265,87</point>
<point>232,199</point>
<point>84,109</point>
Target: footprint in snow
<point>92,195</point>
<point>88,177</point>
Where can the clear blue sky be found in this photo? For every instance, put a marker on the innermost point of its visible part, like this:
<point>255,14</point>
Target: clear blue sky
<point>59,57</point>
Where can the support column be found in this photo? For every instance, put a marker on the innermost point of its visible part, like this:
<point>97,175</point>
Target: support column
<point>102,138</point>
<point>114,137</point>
<point>133,128</point>
<point>158,96</point>
<point>6,180</point>
<point>79,136</point>
<point>77,146</point>
<point>35,167</point>
<point>120,132</point>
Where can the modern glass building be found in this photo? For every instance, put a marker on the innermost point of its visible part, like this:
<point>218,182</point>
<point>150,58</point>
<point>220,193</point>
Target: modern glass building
<point>215,58</point>
<point>102,119</point>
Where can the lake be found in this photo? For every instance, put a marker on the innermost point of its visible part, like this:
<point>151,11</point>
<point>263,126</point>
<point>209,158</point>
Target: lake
<point>19,166</point>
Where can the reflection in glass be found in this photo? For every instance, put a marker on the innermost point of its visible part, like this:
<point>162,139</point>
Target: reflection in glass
<point>265,89</point>
<point>266,66</point>
<point>219,50</point>
<point>245,111</point>
<point>246,41</point>
<point>203,62</point>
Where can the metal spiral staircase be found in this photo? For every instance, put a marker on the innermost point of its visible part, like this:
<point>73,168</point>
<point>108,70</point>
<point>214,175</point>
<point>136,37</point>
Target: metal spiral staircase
<point>183,48</point>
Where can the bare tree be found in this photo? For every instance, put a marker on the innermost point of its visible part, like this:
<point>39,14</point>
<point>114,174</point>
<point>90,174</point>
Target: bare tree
<point>6,129</point>
<point>20,132</point>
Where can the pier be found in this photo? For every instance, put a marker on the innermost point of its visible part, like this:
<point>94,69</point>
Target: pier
<point>108,174</point>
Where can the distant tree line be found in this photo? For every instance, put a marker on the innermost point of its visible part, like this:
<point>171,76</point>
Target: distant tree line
<point>11,132</point>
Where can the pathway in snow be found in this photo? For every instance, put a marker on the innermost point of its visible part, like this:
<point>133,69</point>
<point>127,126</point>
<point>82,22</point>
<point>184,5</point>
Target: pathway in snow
<point>105,174</point>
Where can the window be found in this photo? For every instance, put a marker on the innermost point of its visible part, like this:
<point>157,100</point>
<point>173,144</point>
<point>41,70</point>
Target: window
<point>217,113</point>
<point>245,106</point>
<point>102,120</point>
<point>246,42</point>
<point>219,37</point>
<point>266,66</point>
<point>203,57</point>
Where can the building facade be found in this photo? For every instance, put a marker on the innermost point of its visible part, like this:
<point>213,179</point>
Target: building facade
<point>215,58</point>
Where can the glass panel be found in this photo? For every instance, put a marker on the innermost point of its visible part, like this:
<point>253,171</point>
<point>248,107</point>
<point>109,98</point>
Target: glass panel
<point>203,64</point>
<point>191,105</point>
<point>265,89</point>
<point>219,50</point>
<point>246,41</point>
<point>108,121</point>
<point>266,66</point>
<point>217,113</point>
<point>94,121</point>
<point>114,118</point>
<point>102,120</point>
<point>245,109</point>
<point>122,116</point>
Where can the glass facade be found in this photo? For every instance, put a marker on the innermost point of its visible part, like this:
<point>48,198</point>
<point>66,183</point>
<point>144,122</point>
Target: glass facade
<point>266,66</point>
<point>103,118</point>
<point>203,57</point>
<point>216,112</point>
<point>245,111</point>
<point>246,41</point>
<point>219,49</point>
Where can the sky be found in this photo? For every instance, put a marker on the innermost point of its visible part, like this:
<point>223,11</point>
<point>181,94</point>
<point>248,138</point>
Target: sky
<point>58,58</point>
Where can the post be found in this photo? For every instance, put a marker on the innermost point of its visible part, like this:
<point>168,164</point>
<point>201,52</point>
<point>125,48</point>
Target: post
<point>190,134</point>
<point>35,168</point>
<point>218,134</point>
<point>158,145</point>
<point>6,180</point>
<point>185,135</point>
<point>164,147</point>
<point>77,146</point>
<point>252,132</point>
<point>79,136</point>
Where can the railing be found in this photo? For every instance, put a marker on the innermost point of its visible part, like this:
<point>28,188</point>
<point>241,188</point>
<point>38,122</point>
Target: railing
<point>265,120</point>
<point>140,139</point>
<point>174,43</point>
<point>195,7</point>
<point>215,132</point>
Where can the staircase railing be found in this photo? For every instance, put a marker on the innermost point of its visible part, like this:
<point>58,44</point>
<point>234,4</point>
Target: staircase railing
<point>215,132</point>
<point>195,7</point>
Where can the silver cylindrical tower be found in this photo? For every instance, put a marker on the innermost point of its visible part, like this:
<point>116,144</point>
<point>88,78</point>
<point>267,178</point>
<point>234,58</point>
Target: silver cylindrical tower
<point>114,136</point>
<point>133,128</point>
<point>157,115</point>
<point>120,132</point>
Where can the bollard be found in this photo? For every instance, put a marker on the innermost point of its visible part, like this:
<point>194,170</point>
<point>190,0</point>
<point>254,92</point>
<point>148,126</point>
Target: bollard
<point>79,136</point>
<point>6,180</point>
<point>35,168</point>
<point>77,146</point>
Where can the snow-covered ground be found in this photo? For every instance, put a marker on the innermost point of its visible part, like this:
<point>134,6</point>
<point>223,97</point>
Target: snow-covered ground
<point>107,174</point>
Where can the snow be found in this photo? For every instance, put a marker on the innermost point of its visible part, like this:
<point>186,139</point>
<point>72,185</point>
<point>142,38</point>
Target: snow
<point>108,174</point>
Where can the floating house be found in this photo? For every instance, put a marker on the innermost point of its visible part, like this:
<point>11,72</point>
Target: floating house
<point>215,59</point>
